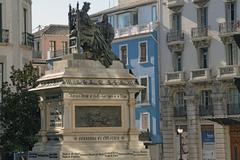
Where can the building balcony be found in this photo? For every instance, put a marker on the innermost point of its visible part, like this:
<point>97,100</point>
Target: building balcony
<point>199,33</point>
<point>174,78</point>
<point>175,3</point>
<point>200,75</point>
<point>206,110</point>
<point>175,40</point>
<point>180,111</point>
<point>27,39</point>
<point>233,109</point>
<point>135,30</point>
<point>229,28</point>
<point>228,72</point>
<point>175,36</point>
<point>4,36</point>
<point>58,54</point>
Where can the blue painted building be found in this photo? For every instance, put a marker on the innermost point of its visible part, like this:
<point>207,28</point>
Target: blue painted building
<point>136,44</point>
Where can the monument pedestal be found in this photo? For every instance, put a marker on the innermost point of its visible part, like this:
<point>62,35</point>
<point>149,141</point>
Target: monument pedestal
<point>88,113</point>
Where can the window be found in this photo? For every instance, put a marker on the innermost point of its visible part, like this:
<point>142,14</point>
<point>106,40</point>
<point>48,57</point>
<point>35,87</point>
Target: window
<point>145,121</point>
<point>1,80</point>
<point>127,19</point>
<point>208,142</point>
<point>134,18</point>
<point>38,46</point>
<point>124,54</point>
<point>233,96</point>
<point>180,109</point>
<point>25,20</point>
<point>206,98</point>
<point>144,97</point>
<point>53,46</point>
<point>232,54</point>
<point>65,47</point>
<point>180,102</point>
<point>230,11</point>
<point>203,57</point>
<point>202,17</point>
<point>142,52</point>
<point>111,20</point>
<point>123,20</point>
<point>154,13</point>
<point>178,61</point>
<point>230,15</point>
<point>176,22</point>
<point>206,108</point>
<point>1,23</point>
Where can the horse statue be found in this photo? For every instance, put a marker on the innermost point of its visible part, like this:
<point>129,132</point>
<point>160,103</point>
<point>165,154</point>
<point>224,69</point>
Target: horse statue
<point>93,39</point>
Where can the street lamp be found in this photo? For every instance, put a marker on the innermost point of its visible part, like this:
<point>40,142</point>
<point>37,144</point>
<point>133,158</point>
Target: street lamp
<point>180,131</point>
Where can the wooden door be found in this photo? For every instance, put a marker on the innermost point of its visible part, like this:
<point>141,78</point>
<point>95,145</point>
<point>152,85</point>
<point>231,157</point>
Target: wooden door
<point>235,142</point>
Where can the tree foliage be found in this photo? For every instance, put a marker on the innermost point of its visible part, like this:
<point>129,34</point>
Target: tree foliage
<point>19,112</point>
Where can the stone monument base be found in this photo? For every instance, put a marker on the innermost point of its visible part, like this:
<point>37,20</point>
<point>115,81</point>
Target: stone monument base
<point>88,113</point>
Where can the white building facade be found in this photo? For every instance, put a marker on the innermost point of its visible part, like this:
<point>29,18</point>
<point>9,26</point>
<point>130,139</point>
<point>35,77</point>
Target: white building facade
<point>200,57</point>
<point>16,40</point>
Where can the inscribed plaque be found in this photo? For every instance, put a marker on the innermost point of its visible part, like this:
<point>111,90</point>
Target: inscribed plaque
<point>98,116</point>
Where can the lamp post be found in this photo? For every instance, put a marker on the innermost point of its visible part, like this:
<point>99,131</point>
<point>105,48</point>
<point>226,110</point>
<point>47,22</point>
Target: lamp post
<point>180,131</point>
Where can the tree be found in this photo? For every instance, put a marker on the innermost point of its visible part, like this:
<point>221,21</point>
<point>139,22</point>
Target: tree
<point>19,112</point>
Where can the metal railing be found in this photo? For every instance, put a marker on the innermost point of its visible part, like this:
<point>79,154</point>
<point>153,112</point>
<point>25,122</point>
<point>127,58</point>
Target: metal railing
<point>173,76</point>
<point>227,27</point>
<point>175,36</point>
<point>56,54</point>
<point>27,39</point>
<point>199,32</point>
<point>198,73</point>
<point>206,110</point>
<point>233,109</point>
<point>180,111</point>
<point>4,36</point>
<point>135,29</point>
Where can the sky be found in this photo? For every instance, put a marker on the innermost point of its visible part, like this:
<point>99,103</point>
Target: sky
<point>45,12</point>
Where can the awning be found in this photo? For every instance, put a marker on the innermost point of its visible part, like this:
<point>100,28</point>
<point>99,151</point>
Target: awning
<point>226,120</point>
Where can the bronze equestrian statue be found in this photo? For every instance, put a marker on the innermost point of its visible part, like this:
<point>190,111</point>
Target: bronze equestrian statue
<point>92,40</point>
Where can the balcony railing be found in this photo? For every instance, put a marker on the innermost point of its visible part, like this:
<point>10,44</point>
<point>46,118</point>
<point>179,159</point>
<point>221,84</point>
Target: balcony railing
<point>174,78</point>
<point>206,110</point>
<point>200,75</point>
<point>199,32</point>
<point>27,39</point>
<point>4,36</point>
<point>228,72</point>
<point>233,109</point>
<point>56,54</point>
<point>228,27</point>
<point>175,36</point>
<point>135,29</point>
<point>180,111</point>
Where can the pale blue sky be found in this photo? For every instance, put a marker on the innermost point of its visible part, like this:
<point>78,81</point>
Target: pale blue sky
<point>46,12</point>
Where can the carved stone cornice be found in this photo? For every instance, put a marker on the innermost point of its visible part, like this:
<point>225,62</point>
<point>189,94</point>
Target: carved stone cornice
<point>176,8</point>
<point>176,46</point>
<point>227,39</point>
<point>175,5</point>
<point>200,3</point>
<point>201,43</point>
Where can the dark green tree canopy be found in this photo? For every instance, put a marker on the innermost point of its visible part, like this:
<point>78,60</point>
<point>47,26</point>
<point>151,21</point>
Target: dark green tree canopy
<point>19,112</point>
